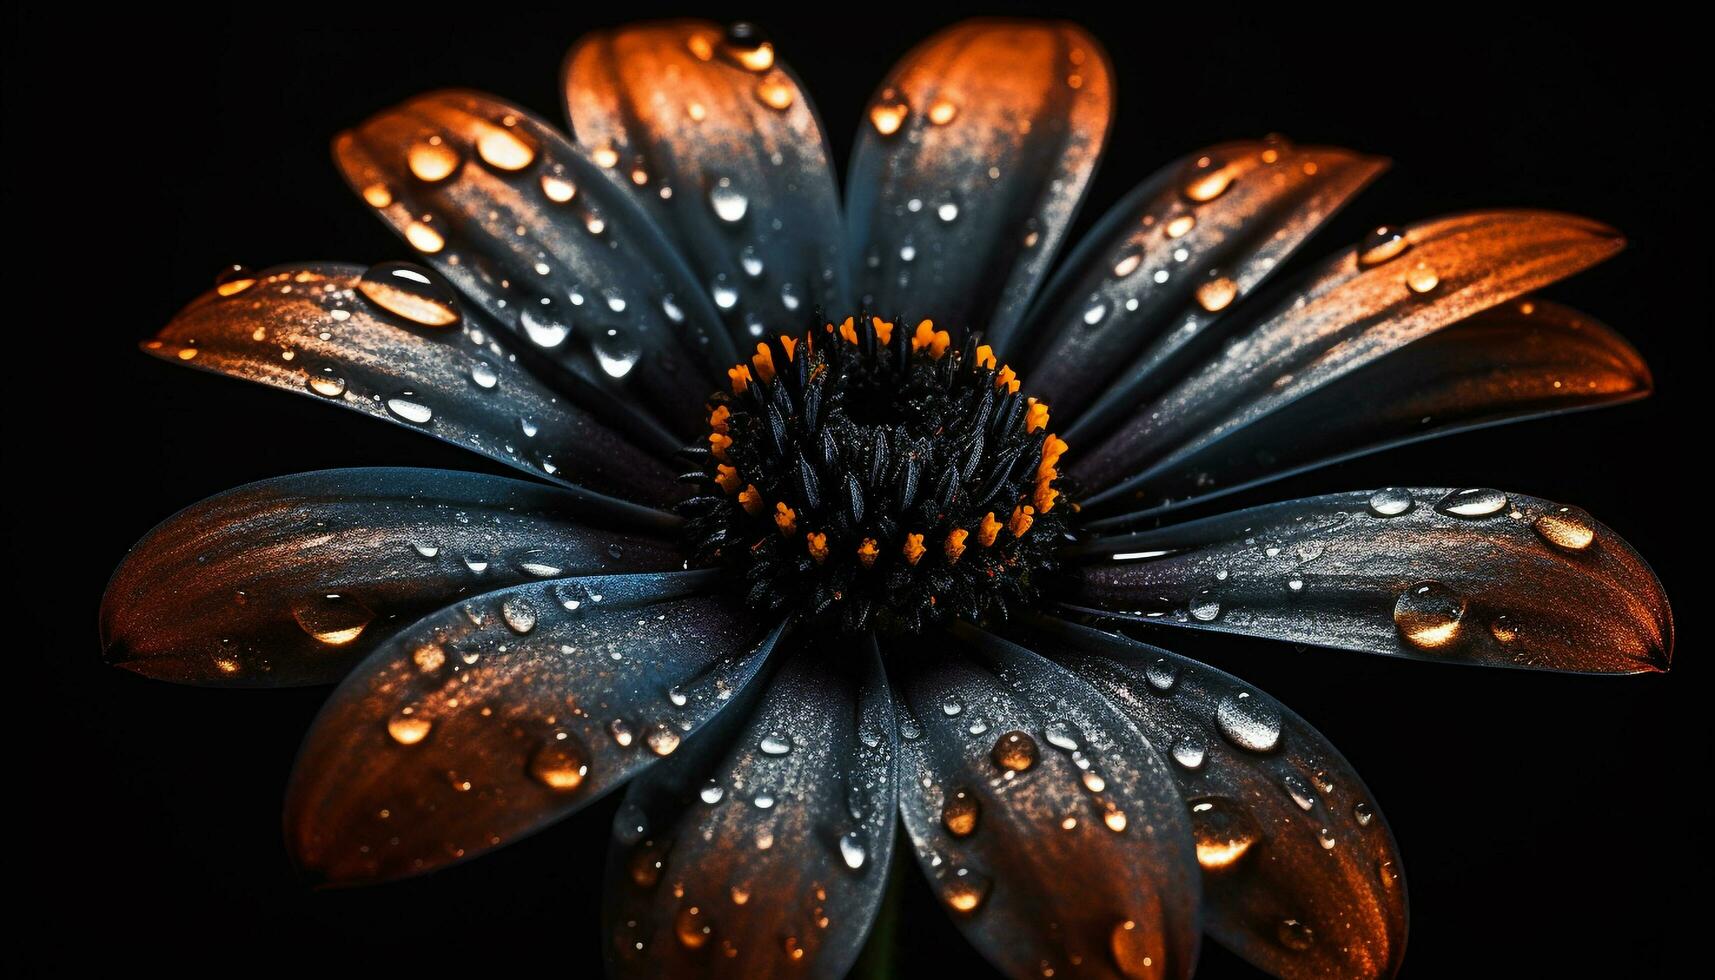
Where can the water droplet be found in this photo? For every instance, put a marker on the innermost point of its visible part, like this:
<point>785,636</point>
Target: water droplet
<point>728,204</point>
<point>1114,819</point>
<point>621,732</point>
<point>408,728</point>
<point>431,160</point>
<point>1127,264</point>
<point>745,45</point>
<point>1363,814</point>
<point>1390,502</point>
<point>712,793</point>
<point>1428,615</point>
<point>1136,950</point>
<point>775,744</point>
<point>617,351</point>
<point>1380,246</point>
<point>1224,831</point>
<point>1300,791</point>
<point>960,812</point>
<point>1473,502</point>
<point>854,849</point>
<point>692,929</point>
<point>947,212</point>
<point>775,91</point>
<point>964,890</point>
<point>544,323</point>
<point>1205,608</point>
<point>1015,751</point>
<point>1294,935</point>
<point>1217,294</point>
<point>332,619</point>
<point>378,195</point>
<point>1207,179</point>
<point>1567,528</point>
<point>503,149</point>
<point>1422,278</point>
<point>1388,872</point>
<point>942,111</point>
<point>662,739</point>
<point>325,381</point>
<point>519,614</point>
<point>1061,735</point>
<point>234,279</point>
<point>556,186</point>
<point>1249,722</point>
<point>484,374</point>
<point>889,112</point>
<point>1161,673</point>
<point>406,406</point>
<point>411,292</point>
<point>1190,751</point>
<point>560,763</point>
<point>1181,226</point>
<point>763,800</point>
<point>1094,314</point>
<point>951,708</point>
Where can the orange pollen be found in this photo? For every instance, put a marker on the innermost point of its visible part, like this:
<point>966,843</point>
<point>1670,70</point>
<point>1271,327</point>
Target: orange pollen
<point>988,530</point>
<point>718,417</point>
<point>867,552</point>
<point>1008,378</point>
<point>1036,416</point>
<point>818,544</point>
<point>727,477</point>
<point>789,344</point>
<point>985,357</point>
<point>1045,495</point>
<point>927,336</point>
<point>848,330</point>
<point>750,499</point>
<point>955,545</point>
<point>718,441</point>
<point>913,548</point>
<point>1022,518</point>
<point>739,374</point>
<point>883,329</point>
<point>785,518</point>
<point>764,363</point>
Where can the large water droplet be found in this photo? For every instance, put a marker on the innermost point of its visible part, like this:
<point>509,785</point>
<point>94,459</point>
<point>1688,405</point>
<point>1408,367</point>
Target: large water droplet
<point>692,928</point>
<point>616,350</point>
<point>942,111</point>
<point>1473,502</point>
<point>1248,721</point>
<point>503,149</point>
<point>560,763</point>
<point>1224,831</point>
<point>544,322</point>
<point>775,744</point>
<point>408,728</point>
<point>431,160</point>
<point>1381,245</point>
<point>406,406</point>
<point>1422,278</point>
<point>1190,751</point>
<point>728,204</point>
<point>854,849</point>
<point>889,112</point>
<point>1294,935</point>
<point>1061,735</point>
<point>964,890</point>
<point>1205,607</point>
<point>960,812</point>
<point>1217,294</point>
<point>1161,673</point>
<point>332,619</point>
<point>234,279</point>
<point>1015,751</point>
<point>519,614</point>
<point>1567,528</point>
<point>325,381</point>
<point>662,738</point>
<point>1207,179</point>
<point>484,374</point>
<point>745,45</point>
<point>1137,950</point>
<point>1390,502</point>
<point>1428,615</point>
<point>411,292</point>
<point>775,91</point>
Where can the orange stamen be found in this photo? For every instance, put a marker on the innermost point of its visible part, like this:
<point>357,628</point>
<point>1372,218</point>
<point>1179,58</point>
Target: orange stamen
<point>739,374</point>
<point>727,477</point>
<point>913,548</point>
<point>750,499</point>
<point>867,552</point>
<point>818,546</point>
<point>1021,520</point>
<point>718,418</point>
<point>789,344</point>
<point>1036,416</point>
<point>988,530</point>
<point>848,330</point>
<point>1045,495</point>
<point>764,361</point>
<point>883,329</point>
<point>718,441</point>
<point>985,357</point>
<point>955,544</point>
<point>786,519</point>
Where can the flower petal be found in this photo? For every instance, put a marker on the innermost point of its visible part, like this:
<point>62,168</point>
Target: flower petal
<point>1300,874</point>
<point>1345,316</point>
<point>722,147</point>
<point>1169,262</point>
<point>1463,576</point>
<point>1052,831</point>
<point>314,330</point>
<point>1520,360</point>
<point>532,229</point>
<point>488,720</point>
<point>769,853</point>
<point>293,580</point>
<point>971,164</point>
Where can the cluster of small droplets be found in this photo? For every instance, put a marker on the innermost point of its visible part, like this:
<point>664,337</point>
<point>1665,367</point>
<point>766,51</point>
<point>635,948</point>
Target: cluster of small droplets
<point>881,477</point>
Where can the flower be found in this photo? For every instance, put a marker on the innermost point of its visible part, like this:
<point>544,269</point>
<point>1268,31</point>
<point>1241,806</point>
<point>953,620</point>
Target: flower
<point>921,469</point>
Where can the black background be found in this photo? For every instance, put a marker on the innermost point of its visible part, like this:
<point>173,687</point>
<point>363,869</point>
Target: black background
<point>1546,821</point>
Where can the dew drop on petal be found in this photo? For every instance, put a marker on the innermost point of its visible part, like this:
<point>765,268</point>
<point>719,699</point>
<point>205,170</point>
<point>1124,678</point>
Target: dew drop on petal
<point>332,619</point>
<point>1249,722</point>
<point>889,112</point>
<point>1390,502</point>
<point>1015,751</point>
<point>1294,935</point>
<point>431,160</point>
<point>234,279</point>
<point>1224,831</point>
<point>408,728</point>
<point>964,890</point>
<point>1381,245</point>
<point>1473,502</point>
<point>1566,528</point>
<point>411,292</point>
<point>854,849</point>
<point>960,812</point>
<point>560,763</point>
<point>662,739</point>
<point>1429,615</point>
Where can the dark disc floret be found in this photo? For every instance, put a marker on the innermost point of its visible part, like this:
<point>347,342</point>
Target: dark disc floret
<point>876,478</point>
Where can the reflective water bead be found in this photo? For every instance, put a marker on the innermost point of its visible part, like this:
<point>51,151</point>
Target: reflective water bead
<point>1428,615</point>
<point>412,292</point>
<point>1567,528</point>
<point>1015,751</point>
<point>1390,502</point>
<point>332,619</point>
<point>560,763</point>
<point>234,279</point>
<point>1224,831</point>
<point>1249,722</point>
<point>960,813</point>
<point>1473,502</point>
<point>1381,245</point>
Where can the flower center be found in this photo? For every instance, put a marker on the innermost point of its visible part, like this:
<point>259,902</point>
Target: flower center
<point>879,479</point>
